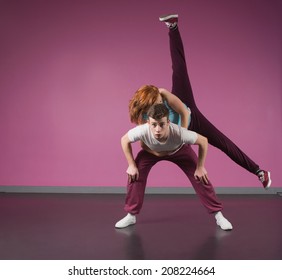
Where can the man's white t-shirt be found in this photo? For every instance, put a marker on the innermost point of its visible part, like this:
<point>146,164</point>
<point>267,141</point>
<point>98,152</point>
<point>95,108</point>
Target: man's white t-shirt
<point>177,137</point>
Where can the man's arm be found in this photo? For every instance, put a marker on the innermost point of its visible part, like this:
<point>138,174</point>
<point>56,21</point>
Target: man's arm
<point>132,170</point>
<point>201,173</point>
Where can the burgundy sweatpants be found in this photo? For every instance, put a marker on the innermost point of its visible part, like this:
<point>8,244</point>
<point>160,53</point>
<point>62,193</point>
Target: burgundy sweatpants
<point>186,159</point>
<point>181,87</point>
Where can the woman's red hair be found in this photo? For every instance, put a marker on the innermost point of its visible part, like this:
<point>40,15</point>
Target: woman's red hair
<point>142,100</point>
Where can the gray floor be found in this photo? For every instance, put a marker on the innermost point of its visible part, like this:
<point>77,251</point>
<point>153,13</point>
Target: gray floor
<point>81,226</point>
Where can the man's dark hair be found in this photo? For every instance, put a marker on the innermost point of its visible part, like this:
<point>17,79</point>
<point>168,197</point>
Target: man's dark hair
<point>158,111</point>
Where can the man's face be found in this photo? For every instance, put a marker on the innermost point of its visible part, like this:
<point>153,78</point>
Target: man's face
<point>159,128</point>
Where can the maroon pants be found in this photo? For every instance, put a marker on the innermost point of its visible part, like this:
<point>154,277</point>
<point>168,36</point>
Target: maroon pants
<point>186,159</point>
<point>181,87</point>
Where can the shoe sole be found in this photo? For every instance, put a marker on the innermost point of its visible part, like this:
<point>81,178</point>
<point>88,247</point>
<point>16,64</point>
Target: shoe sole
<point>269,181</point>
<point>131,224</point>
<point>164,18</point>
<point>229,229</point>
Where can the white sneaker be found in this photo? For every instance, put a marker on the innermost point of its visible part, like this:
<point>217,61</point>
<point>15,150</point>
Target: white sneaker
<point>170,20</point>
<point>128,220</point>
<point>222,222</point>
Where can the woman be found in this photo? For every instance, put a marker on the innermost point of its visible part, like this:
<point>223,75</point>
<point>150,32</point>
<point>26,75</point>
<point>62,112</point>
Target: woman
<point>182,106</point>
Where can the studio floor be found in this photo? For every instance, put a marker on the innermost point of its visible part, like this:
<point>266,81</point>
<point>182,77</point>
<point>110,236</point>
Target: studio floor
<point>81,227</point>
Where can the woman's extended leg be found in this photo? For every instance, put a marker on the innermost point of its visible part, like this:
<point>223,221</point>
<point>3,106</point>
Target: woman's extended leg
<point>182,88</point>
<point>181,85</point>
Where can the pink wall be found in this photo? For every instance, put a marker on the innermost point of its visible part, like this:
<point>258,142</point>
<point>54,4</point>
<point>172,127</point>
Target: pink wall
<point>69,68</point>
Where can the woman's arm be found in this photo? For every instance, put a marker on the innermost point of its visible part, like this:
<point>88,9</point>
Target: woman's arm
<point>177,105</point>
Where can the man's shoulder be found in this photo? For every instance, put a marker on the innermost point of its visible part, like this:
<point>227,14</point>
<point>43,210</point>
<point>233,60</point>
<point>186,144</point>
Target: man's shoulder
<point>175,127</point>
<point>142,128</point>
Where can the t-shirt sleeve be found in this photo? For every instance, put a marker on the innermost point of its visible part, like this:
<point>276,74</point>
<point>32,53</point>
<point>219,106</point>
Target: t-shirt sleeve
<point>135,134</point>
<point>189,136</point>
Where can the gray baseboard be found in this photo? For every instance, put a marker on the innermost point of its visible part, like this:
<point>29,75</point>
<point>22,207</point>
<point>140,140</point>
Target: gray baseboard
<point>122,190</point>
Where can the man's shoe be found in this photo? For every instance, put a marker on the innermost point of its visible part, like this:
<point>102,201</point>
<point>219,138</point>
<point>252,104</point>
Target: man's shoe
<point>170,20</point>
<point>128,220</point>
<point>222,222</point>
<point>264,177</point>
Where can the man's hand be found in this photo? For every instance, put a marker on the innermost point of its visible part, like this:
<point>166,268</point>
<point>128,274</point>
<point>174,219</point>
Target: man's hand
<point>133,173</point>
<point>201,175</point>
<point>132,170</point>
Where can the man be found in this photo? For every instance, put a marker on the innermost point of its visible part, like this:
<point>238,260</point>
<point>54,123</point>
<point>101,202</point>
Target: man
<point>166,141</point>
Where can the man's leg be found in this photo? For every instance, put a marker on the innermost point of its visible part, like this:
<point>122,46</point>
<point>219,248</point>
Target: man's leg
<point>186,159</point>
<point>136,189</point>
